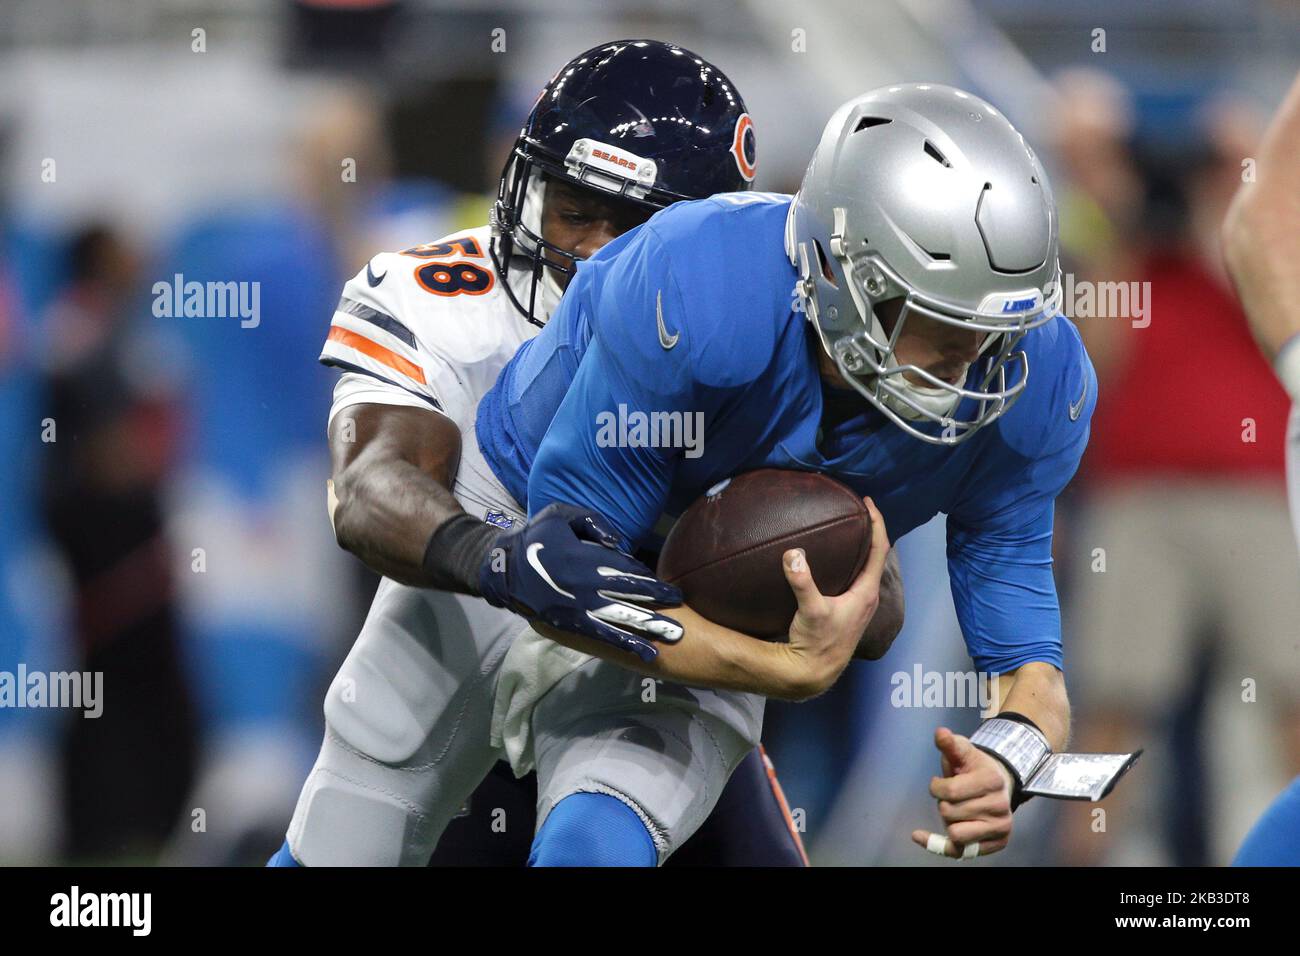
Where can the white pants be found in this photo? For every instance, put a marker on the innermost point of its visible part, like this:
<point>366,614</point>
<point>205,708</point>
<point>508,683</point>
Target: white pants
<point>409,719</point>
<point>407,736</point>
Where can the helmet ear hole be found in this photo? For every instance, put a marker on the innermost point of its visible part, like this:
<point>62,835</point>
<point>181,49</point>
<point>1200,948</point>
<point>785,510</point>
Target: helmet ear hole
<point>887,311</point>
<point>825,264</point>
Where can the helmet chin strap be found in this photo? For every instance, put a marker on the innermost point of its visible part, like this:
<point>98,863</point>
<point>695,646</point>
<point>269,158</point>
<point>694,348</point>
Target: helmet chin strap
<point>941,402</point>
<point>937,401</point>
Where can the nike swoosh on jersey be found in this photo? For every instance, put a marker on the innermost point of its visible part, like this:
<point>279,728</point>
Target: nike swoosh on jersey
<point>1076,408</point>
<point>373,279</point>
<point>666,340</point>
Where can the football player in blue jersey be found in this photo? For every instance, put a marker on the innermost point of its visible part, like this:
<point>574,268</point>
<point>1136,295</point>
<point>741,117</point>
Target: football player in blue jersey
<point>895,325</point>
<point>619,132</point>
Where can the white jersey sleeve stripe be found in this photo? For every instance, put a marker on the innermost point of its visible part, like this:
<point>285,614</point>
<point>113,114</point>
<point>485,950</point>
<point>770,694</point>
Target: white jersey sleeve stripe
<point>375,317</point>
<point>346,366</point>
<point>390,344</point>
<point>345,343</point>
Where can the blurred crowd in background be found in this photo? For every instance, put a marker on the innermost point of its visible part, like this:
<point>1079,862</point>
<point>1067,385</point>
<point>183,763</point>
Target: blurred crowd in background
<point>164,512</point>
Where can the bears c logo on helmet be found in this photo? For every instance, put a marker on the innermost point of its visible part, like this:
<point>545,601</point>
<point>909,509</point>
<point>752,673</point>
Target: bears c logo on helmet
<point>743,147</point>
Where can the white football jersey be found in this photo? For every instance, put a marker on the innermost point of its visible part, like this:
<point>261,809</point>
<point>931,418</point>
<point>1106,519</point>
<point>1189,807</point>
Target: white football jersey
<point>430,327</point>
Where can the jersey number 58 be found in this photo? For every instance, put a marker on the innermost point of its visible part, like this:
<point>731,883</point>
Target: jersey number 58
<point>451,278</point>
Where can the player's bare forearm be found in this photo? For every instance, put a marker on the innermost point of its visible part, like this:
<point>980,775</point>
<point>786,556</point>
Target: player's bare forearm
<point>823,635</point>
<point>888,619</point>
<point>1037,690</point>
<point>393,466</point>
<point>1261,243</point>
<point>708,655</point>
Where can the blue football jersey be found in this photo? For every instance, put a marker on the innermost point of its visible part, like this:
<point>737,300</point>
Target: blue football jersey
<point>677,358</point>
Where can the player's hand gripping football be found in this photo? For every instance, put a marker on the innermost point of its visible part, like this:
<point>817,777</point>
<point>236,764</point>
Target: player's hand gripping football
<point>563,567</point>
<point>826,630</point>
<point>974,797</point>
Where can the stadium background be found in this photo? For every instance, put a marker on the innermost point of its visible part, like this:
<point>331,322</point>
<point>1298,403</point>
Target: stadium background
<point>174,536</point>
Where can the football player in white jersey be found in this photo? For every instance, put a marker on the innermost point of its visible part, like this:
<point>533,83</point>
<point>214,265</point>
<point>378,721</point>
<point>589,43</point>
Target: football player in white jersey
<point>1261,241</point>
<point>412,718</point>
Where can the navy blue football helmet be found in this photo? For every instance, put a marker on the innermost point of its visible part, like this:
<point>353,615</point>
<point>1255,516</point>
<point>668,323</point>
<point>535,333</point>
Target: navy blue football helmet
<point>645,121</point>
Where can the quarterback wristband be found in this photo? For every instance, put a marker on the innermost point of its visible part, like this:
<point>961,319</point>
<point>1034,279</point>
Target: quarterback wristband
<point>455,553</point>
<point>1016,741</point>
<point>1022,747</point>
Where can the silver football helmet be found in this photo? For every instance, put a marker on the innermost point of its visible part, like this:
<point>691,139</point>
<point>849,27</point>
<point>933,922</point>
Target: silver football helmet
<point>927,193</point>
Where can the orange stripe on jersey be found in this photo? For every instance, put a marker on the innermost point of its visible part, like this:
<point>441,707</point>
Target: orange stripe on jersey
<point>781,801</point>
<point>377,352</point>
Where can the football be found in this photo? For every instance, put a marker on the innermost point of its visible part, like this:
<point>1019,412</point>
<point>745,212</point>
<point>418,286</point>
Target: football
<point>725,550</point>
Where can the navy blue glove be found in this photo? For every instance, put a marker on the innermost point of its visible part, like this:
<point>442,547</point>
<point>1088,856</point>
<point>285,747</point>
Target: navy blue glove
<point>563,567</point>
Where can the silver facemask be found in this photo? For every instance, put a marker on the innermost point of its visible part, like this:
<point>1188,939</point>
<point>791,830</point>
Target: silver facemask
<point>926,193</point>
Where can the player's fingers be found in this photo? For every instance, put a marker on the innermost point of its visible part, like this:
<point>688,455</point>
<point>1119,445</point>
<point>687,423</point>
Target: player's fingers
<point>945,765</point>
<point>629,615</point>
<point>956,749</point>
<point>579,621</point>
<point>942,845</point>
<point>619,561</point>
<point>795,564</point>
<point>590,526</point>
<point>941,735</point>
<point>987,807</point>
<point>966,786</point>
<point>639,588</point>
<point>979,831</point>
<point>872,571</point>
<point>936,843</point>
<point>619,638</point>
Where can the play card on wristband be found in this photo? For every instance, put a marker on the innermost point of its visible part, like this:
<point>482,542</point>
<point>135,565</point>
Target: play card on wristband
<point>1025,751</point>
<point>1079,776</point>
